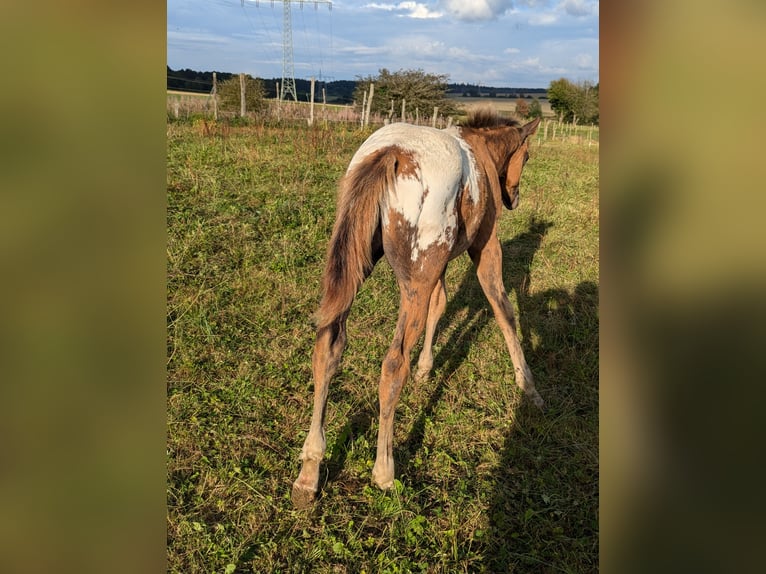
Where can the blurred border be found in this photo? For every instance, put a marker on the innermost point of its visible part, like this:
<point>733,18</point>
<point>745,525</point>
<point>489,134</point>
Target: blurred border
<point>82,253</point>
<point>683,282</point>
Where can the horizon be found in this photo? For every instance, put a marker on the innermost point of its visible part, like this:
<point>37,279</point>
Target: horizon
<point>328,82</point>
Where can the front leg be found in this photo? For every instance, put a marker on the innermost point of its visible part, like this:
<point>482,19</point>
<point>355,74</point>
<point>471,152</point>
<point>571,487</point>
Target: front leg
<point>488,260</point>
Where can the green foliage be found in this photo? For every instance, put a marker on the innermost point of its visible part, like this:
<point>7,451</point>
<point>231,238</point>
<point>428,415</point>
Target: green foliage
<point>485,482</point>
<point>535,109</point>
<point>230,95</point>
<point>574,103</point>
<point>420,90</point>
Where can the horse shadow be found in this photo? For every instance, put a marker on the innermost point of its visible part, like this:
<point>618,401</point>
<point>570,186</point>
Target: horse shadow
<point>469,297</point>
<point>549,461</point>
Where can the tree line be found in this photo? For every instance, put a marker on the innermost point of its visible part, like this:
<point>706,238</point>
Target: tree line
<point>336,92</point>
<point>420,91</point>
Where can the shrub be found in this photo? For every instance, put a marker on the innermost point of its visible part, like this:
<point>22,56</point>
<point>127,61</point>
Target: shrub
<point>229,94</point>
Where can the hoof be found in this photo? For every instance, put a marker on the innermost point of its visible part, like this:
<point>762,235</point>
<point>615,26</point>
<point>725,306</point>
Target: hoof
<point>383,480</point>
<point>537,399</point>
<point>303,497</point>
<point>388,485</point>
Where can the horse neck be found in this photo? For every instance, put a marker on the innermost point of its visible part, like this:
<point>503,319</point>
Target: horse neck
<point>499,143</point>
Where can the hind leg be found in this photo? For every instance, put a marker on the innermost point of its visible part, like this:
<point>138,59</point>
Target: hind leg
<point>330,342</point>
<point>436,307</point>
<point>396,369</point>
<point>488,260</point>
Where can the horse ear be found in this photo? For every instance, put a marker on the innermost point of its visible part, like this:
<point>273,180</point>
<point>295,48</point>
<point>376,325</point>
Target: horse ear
<point>530,128</point>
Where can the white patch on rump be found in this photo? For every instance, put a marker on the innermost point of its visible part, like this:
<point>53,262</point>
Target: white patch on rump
<point>427,201</point>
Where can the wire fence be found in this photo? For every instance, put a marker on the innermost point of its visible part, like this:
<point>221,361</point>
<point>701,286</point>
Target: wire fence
<point>183,106</point>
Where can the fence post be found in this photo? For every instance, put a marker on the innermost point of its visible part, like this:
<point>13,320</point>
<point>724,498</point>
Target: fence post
<point>242,109</point>
<point>215,97</point>
<point>369,104</point>
<point>433,120</point>
<point>403,108</point>
<point>364,109</point>
<point>324,106</point>
<point>311,110</point>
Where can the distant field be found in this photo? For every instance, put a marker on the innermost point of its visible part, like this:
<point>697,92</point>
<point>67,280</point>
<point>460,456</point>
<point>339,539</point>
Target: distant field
<point>503,105</point>
<point>500,104</point>
<point>180,94</point>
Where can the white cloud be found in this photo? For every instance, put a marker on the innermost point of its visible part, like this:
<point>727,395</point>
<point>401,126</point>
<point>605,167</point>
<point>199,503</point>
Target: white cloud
<point>543,19</point>
<point>416,10</point>
<point>534,3</point>
<point>472,10</point>
<point>584,61</point>
<point>421,11</point>
<point>579,7</point>
<point>386,7</point>
<point>511,51</point>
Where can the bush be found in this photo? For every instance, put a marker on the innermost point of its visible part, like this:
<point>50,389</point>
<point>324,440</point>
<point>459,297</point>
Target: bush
<point>577,103</point>
<point>229,93</point>
<point>535,109</point>
<point>522,108</point>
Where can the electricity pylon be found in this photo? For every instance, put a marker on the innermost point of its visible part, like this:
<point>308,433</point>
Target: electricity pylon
<point>288,68</point>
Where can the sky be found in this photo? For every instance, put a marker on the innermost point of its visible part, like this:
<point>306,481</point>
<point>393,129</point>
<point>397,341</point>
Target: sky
<point>497,43</point>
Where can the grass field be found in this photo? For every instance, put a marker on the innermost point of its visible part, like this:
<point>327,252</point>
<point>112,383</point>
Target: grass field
<point>485,482</point>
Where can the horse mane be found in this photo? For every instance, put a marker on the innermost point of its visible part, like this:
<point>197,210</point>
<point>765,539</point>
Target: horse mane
<point>488,118</point>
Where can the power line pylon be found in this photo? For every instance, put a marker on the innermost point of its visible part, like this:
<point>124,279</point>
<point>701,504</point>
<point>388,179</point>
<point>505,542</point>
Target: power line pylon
<point>288,67</point>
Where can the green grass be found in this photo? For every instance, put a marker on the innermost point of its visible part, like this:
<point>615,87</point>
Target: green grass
<point>485,482</point>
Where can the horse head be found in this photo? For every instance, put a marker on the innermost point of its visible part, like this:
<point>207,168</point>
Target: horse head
<point>511,176</point>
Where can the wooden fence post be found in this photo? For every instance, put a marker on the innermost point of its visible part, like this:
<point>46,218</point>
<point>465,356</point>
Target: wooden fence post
<point>311,110</point>
<point>215,97</point>
<point>433,120</point>
<point>324,106</point>
<point>403,108</point>
<point>242,108</point>
<point>369,104</point>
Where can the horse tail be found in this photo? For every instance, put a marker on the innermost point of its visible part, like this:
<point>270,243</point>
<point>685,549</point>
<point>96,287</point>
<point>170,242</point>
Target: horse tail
<point>349,254</point>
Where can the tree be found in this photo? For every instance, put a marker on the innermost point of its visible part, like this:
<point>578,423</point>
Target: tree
<point>230,92</point>
<point>561,95</point>
<point>421,91</point>
<point>535,109</point>
<point>577,103</point>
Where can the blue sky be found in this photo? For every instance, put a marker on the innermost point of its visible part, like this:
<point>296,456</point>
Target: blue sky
<point>501,43</point>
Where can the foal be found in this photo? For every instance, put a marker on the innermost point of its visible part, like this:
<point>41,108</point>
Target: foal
<point>420,196</point>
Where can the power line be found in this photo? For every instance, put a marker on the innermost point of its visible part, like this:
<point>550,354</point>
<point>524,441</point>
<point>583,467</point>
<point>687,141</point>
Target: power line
<point>288,62</point>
